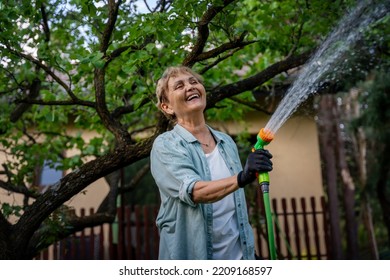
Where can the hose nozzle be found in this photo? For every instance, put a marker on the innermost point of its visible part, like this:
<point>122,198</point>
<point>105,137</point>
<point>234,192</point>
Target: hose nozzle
<point>263,138</point>
<point>266,135</point>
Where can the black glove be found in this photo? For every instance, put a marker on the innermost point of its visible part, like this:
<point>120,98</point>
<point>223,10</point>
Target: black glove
<point>258,161</point>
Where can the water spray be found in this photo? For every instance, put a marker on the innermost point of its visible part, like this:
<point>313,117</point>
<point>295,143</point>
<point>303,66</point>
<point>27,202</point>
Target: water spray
<point>330,56</point>
<point>264,137</point>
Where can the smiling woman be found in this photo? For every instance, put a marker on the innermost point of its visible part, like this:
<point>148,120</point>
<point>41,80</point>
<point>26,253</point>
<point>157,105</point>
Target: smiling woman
<point>186,99</point>
<point>174,80</point>
<point>200,178</point>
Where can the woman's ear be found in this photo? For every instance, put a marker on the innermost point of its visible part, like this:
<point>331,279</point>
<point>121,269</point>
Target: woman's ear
<point>167,109</point>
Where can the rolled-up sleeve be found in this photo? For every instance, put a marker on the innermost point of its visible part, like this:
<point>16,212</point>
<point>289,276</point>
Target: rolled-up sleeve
<point>173,169</point>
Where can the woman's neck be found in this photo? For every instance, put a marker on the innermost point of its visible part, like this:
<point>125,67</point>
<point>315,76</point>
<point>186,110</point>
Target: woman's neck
<point>196,127</point>
<point>202,133</point>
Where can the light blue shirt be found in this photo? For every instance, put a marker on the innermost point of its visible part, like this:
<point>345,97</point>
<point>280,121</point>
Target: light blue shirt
<point>177,163</point>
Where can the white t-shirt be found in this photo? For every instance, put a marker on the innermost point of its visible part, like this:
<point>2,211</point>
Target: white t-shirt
<point>226,242</point>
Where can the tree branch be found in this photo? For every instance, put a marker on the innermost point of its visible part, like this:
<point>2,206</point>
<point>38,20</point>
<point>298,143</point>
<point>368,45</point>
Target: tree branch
<point>203,32</point>
<point>250,83</point>
<point>218,60</point>
<point>115,127</point>
<point>238,43</point>
<point>22,189</point>
<point>136,179</point>
<point>119,111</point>
<point>252,105</point>
<point>6,185</point>
<point>163,5</point>
<point>33,92</point>
<point>71,225</point>
<point>51,74</point>
<point>116,53</point>
<point>120,133</point>
<point>113,9</point>
<point>108,204</point>
<point>45,23</point>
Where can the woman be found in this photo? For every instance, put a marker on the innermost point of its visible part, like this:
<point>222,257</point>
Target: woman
<point>197,169</point>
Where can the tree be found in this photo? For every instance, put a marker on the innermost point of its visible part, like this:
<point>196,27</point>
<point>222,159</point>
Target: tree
<point>93,64</point>
<point>369,129</point>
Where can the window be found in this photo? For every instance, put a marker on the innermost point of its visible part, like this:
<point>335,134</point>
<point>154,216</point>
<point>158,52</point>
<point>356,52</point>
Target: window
<point>49,175</point>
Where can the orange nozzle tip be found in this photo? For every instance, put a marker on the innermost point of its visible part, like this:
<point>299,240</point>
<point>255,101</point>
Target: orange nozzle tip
<point>266,135</point>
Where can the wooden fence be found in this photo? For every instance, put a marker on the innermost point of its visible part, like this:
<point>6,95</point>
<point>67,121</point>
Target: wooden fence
<point>301,229</point>
<point>301,232</point>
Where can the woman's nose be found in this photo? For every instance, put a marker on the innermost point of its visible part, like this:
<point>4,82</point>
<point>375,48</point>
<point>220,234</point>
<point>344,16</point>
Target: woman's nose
<point>189,86</point>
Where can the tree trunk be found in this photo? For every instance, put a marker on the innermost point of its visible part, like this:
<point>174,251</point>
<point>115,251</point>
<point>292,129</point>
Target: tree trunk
<point>360,150</point>
<point>349,191</point>
<point>5,251</point>
<point>381,186</point>
<point>369,226</point>
<point>326,135</point>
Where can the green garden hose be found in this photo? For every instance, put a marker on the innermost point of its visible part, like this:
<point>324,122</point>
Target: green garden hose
<point>264,138</point>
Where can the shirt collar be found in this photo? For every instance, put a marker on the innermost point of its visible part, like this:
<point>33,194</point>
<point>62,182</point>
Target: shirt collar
<point>187,136</point>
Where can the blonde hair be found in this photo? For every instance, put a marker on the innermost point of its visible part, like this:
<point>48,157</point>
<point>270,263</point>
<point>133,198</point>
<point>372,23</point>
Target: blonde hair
<point>162,85</point>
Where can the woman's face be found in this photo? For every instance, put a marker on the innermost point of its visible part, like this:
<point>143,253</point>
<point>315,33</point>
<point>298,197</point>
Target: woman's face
<point>186,96</point>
